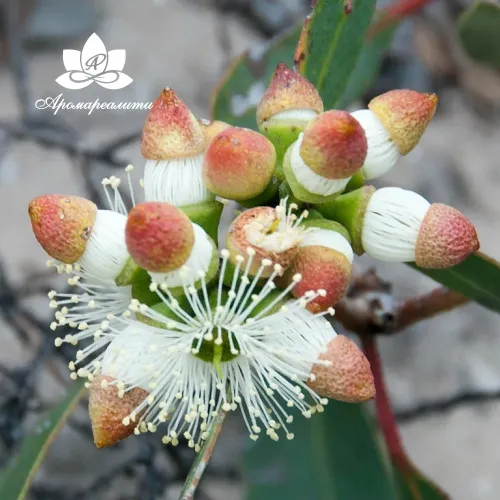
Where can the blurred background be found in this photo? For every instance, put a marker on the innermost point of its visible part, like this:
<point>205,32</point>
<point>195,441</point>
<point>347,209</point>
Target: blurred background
<point>443,375</point>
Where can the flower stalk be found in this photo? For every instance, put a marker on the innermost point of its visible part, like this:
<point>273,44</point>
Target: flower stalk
<point>202,458</point>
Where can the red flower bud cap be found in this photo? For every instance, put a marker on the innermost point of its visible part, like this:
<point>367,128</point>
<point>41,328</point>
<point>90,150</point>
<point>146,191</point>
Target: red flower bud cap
<point>405,114</point>
<point>159,236</point>
<point>334,145</point>
<point>445,239</point>
<point>324,261</point>
<point>287,91</point>
<point>108,410</point>
<point>348,377</point>
<point>323,269</point>
<point>211,128</point>
<point>171,131</point>
<point>62,225</point>
<point>239,164</point>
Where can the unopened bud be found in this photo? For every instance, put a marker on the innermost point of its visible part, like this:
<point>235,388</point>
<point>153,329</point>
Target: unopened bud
<point>159,236</point>
<point>347,377</point>
<point>405,114</point>
<point>324,260</point>
<point>288,104</point>
<point>62,225</point>
<point>108,411</point>
<point>171,130</point>
<point>239,164</point>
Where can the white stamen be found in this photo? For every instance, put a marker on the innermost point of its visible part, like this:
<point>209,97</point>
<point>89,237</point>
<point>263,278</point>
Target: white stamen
<point>106,253</point>
<point>176,181</point>
<point>392,223</point>
<point>382,153</point>
<point>270,351</point>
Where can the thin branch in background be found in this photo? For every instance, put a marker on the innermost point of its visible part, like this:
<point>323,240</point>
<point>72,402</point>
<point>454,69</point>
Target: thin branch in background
<point>438,407</point>
<point>17,61</point>
<point>369,307</point>
<point>426,306</point>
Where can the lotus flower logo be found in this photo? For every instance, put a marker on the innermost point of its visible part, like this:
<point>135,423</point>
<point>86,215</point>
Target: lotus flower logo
<point>94,64</point>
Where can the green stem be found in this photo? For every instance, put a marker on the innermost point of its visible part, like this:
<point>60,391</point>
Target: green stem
<point>202,458</point>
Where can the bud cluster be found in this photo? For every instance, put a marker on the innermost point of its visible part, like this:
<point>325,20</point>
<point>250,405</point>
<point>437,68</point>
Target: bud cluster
<point>175,325</point>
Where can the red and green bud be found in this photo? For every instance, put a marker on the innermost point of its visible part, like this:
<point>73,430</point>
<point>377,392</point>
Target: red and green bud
<point>445,239</point>
<point>405,114</point>
<point>159,236</point>
<point>348,376</point>
<point>171,131</point>
<point>334,145</point>
<point>108,410</point>
<point>239,164</point>
<point>62,225</point>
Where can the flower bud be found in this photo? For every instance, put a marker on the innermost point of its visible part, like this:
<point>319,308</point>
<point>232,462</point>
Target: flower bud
<point>171,131</point>
<point>324,260</point>
<point>319,165</point>
<point>173,145</point>
<point>334,145</point>
<point>159,236</point>
<point>401,226</point>
<point>211,128</point>
<point>347,377</point>
<point>239,164</point>
<point>267,233</point>
<point>405,115</point>
<point>288,104</point>
<point>72,230</point>
<point>62,225</point>
<point>107,410</point>
<point>445,239</point>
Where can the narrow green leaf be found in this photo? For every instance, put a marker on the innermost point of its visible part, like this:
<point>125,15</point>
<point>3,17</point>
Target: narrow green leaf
<point>16,478</point>
<point>367,66</point>
<point>330,45</point>
<point>239,84</point>
<point>334,456</point>
<point>479,32</point>
<point>246,80</point>
<point>412,485</point>
<point>478,278</point>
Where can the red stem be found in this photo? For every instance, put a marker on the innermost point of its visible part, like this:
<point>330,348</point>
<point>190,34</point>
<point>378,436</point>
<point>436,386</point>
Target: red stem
<point>384,412</point>
<point>395,12</point>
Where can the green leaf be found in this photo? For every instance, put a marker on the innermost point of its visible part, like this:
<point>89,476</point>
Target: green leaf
<point>16,478</point>
<point>478,278</point>
<point>412,485</point>
<point>367,66</point>
<point>241,88</point>
<point>479,32</point>
<point>334,456</point>
<point>250,73</point>
<point>330,45</point>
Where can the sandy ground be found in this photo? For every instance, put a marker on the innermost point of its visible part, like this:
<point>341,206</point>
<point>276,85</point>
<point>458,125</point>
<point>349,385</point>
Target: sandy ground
<point>178,43</point>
